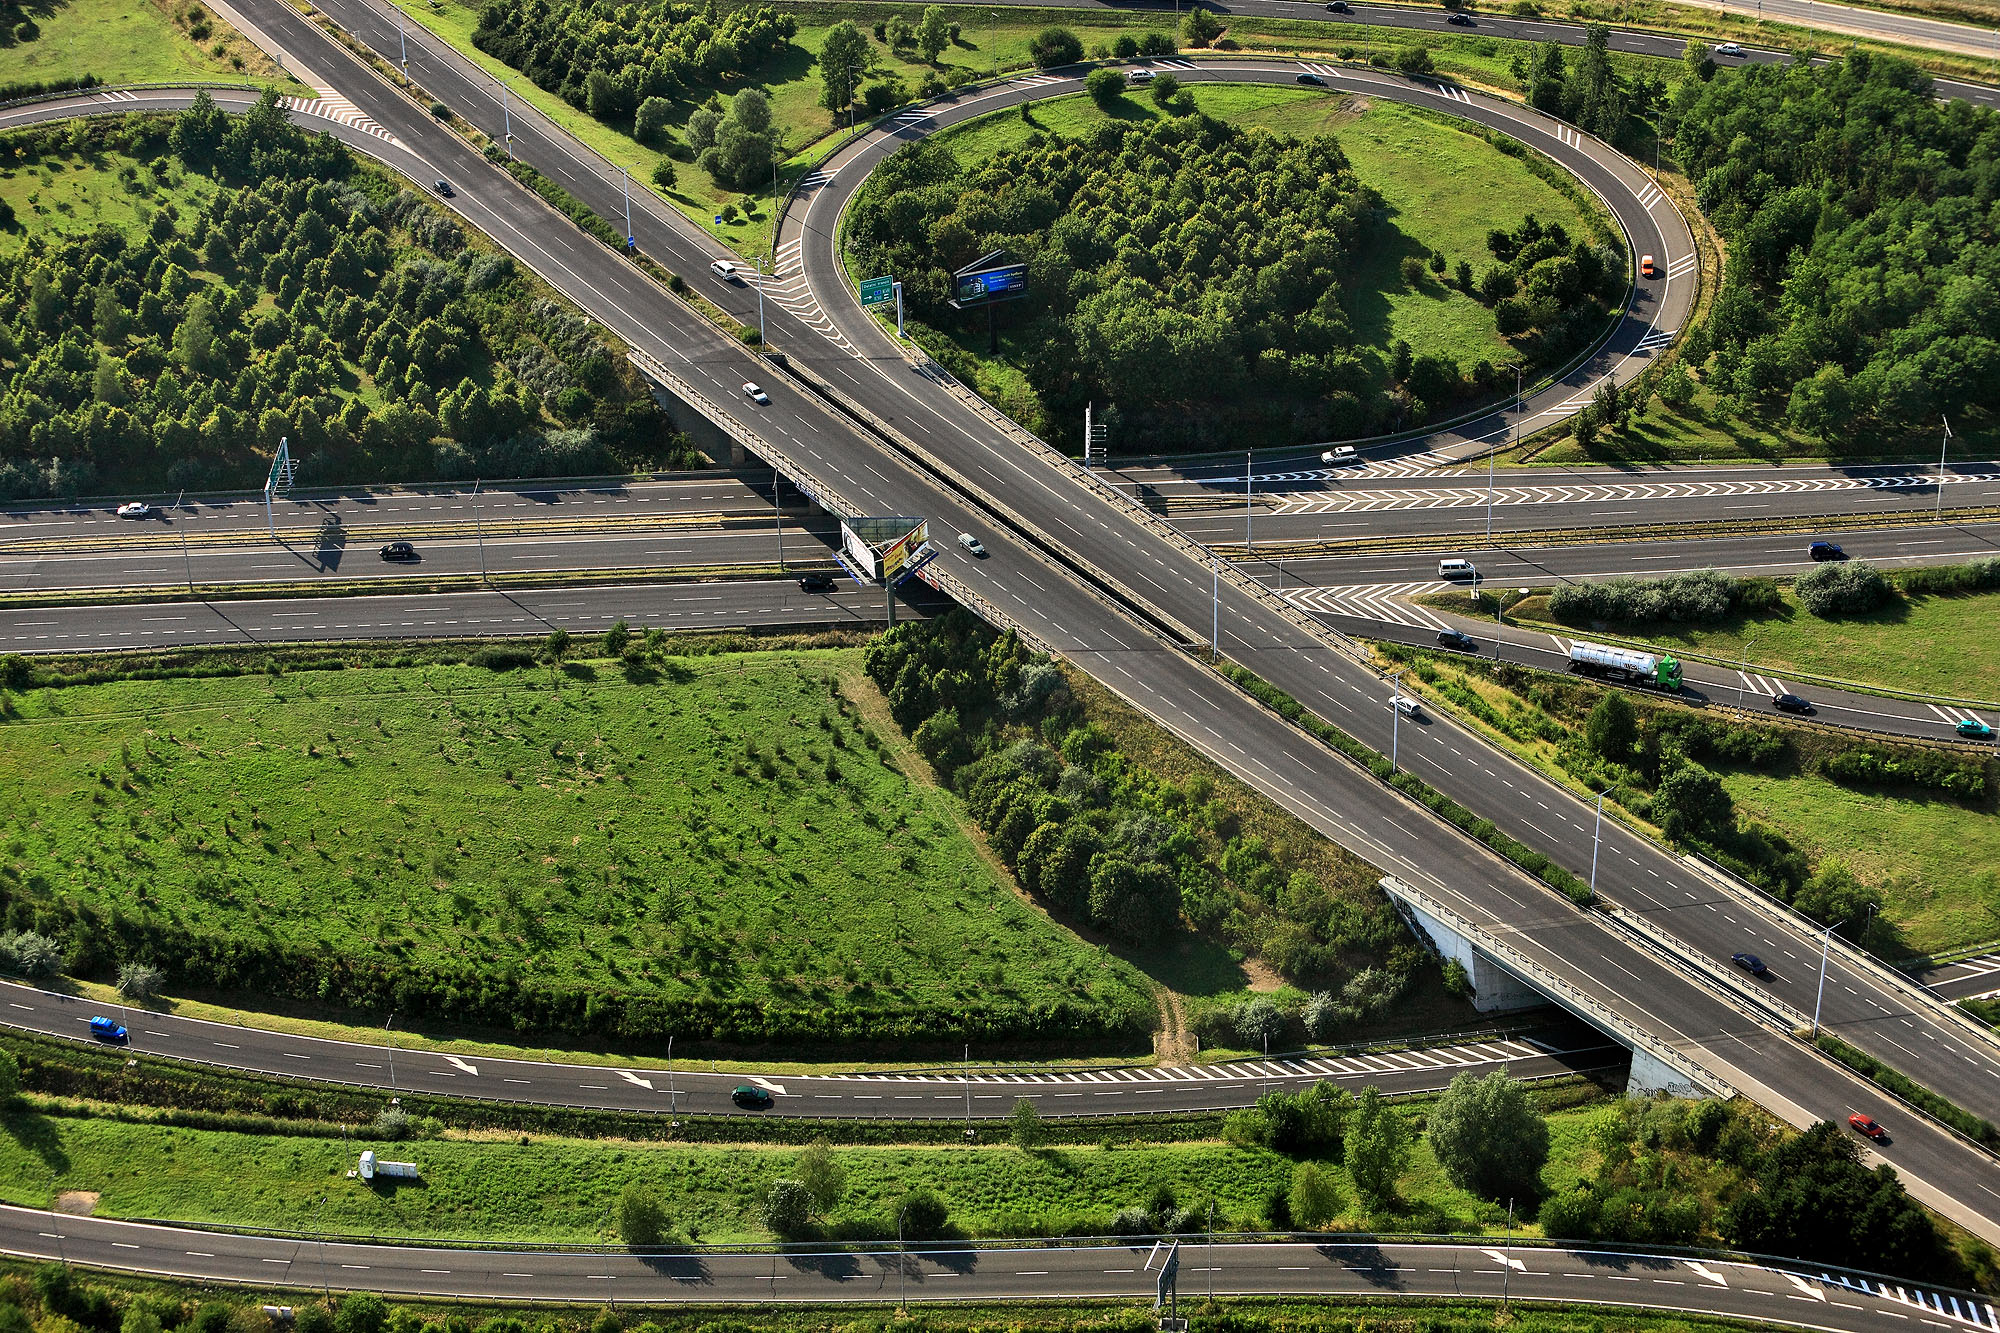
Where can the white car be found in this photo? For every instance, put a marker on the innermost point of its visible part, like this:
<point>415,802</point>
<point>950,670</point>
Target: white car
<point>757,395</point>
<point>728,270</point>
<point>972,544</point>
<point>1729,49</point>
<point>1139,76</point>
<point>1340,457</point>
<point>135,509</point>
<point>1405,705</point>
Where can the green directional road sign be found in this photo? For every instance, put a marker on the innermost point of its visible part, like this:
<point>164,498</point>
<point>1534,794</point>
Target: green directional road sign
<point>878,291</point>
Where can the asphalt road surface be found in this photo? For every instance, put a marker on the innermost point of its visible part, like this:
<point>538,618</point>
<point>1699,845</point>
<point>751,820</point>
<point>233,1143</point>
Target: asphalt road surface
<point>1109,593</point>
<point>1559,1047</point>
<point>1785,1294</point>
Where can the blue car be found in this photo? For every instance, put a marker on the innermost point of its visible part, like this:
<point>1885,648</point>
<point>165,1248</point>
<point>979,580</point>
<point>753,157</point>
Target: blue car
<point>1975,730</point>
<point>104,1029</point>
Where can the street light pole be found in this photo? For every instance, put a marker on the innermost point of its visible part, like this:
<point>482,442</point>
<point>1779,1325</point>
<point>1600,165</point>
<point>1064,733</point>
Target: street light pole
<point>1395,718</point>
<point>1938,511</point>
<point>479,528</point>
<point>506,123</point>
<point>902,1270</point>
<point>778,518</point>
<point>673,1093</point>
<point>1825,942</point>
<point>1215,611</point>
<point>389,1040</point>
<point>1742,678</point>
<point>1596,841</point>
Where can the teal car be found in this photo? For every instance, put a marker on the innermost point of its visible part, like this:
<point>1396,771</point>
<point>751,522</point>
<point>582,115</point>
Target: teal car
<point>1975,730</point>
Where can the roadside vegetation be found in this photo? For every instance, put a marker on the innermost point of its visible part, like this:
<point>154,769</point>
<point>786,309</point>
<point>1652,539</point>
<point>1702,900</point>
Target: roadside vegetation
<point>1896,841</point>
<point>721,848</point>
<point>191,291</point>
<point>1346,313</point>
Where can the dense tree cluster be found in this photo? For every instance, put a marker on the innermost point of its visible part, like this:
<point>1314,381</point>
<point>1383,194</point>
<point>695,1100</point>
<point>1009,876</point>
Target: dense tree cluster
<point>1863,288</point>
<point>312,302</point>
<point>1548,290</point>
<point>1582,87</point>
<point>1190,271</point>
<point>1101,838</point>
<point>608,58</point>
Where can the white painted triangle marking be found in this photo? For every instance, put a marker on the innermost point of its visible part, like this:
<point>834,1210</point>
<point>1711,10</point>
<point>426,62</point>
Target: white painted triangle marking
<point>1706,1274</point>
<point>631,1077</point>
<point>462,1065</point>
<point>1500,1258</point>
<point>768,1086</point>
<point>1809,1288</point>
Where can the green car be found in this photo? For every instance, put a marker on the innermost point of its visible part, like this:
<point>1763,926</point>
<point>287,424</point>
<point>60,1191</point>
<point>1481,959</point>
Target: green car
<point>1975,730</point>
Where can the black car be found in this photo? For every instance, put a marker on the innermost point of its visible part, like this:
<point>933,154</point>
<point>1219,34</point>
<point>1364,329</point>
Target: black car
<point>752,1098</point>
<point>1451,638</point>
<point>443,188</point>
<point>1825,551</point>
<point>816,583</point>
<point>1791,703</point>
<point>1462,20</point>
<point>1750,963</point>
<point>1338,7</point>
<point>1313,79</point>
<point>399,551</point>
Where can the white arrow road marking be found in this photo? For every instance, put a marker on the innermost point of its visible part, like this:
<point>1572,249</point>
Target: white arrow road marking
<point>1707,1274</point>
<point>768,1086</point>
<point>631,1077</point>
<point>1809,1288</point>
<point>467,1068</point>
<point>1498,1257</point>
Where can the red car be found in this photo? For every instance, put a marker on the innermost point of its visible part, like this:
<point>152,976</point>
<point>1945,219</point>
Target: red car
<point>1863,1124</point>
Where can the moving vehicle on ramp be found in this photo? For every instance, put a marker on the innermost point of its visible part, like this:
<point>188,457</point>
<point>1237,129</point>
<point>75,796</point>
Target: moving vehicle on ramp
<point>1626,667</point>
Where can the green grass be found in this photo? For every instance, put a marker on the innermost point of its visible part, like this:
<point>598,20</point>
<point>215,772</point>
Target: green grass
<point>564,1190</point>
<point>1932,859</point>
<point>1937,645</point>
<point>130,41</point>
<point>667,842</point>
<point>73,196</point>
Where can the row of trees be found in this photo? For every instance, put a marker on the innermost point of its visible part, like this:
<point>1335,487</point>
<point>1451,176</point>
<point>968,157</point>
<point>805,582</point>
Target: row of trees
<point>305,299</point>
<point>1863,290</point>
<point>608,58</point>
<point>1103,840</point>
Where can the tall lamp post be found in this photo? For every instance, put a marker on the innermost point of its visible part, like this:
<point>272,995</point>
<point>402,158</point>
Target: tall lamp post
<point>1395,717</point>
<point>1825,942</point>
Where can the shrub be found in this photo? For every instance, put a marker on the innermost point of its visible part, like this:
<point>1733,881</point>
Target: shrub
<point>1489,1137</point>
<point>140,982</point>
<point>1314,1198</point>
<point>923,1215</point>
<point>392,1123</point>
<point>1974,576</point>
<point>1165,89</point>
<point>1054,47</point>
<point>1849,588</point>
<point>1105,86</point>
<point>788,1208</point>
<point>641,1220</point>
<point>31,954</point>
<point>1700,597</point>
<point>440,110</point>
<point>1414,60</point>
<point>502,659</point>
<point>1258,1020</point>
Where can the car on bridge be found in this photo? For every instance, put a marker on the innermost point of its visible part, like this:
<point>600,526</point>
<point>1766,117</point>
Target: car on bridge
<point>752,1098</point>
<point>1826,551</point>
<point>757,395</point>
<point>972,544</point>
<point>104,1029</point>
<point>1974,730</point>
<point>1793,703</point>
<point>135,509</point>
<point>399,551</point>
<point>1750,963</point>
<point>1868,1126</point>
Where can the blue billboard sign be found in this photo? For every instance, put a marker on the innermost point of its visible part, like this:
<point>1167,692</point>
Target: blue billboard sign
<point>989,285</point>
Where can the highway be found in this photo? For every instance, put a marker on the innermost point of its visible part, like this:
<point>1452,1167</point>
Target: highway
<point>1793,1295</point>
<point>1090,579</point>
<point>1558,1046</point>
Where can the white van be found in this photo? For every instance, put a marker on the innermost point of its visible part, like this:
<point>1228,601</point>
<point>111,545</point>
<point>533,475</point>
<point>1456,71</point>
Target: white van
<point>1456,569</point>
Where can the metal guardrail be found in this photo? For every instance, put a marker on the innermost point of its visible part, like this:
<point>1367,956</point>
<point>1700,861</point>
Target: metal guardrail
<point>1699,968</point>
<point>1918,995</point>
<point>1562,992</point>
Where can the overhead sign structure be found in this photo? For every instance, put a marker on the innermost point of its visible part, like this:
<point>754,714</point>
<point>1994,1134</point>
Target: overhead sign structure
<point>987,286</point>
<point>877,291</point>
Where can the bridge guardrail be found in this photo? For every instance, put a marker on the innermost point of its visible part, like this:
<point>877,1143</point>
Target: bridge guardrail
<point>1699,968</point>
<point>1559,990</point>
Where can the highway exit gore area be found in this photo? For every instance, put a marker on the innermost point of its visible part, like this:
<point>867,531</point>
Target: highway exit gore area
<point>714,847</point>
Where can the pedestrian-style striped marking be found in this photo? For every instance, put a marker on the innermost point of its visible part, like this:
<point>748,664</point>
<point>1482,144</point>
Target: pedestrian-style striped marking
<point>1382,602</point>
<point>1649,196</point>
<point>332,106</point>
<point>1291,1067</point>
<point>1680,268</point>
<point>788,288</point>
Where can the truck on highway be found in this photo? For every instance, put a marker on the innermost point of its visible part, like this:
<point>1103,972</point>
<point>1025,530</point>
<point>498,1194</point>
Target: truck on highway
<point>1625,666</point>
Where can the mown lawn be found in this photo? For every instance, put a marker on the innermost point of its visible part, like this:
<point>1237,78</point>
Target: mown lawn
<point>720,838</point>
<point>565,1190</point>
<point>130,41</point>
<point>1938,645</point>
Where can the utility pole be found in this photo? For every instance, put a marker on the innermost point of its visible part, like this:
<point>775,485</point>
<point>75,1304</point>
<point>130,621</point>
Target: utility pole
<point>965,1077</point>
<point>1215,610</point>
<point>1938,512</point>
<point>186,563</point>
<point>1249,541</point>
<point>506,123</point>
<point>673,1093</point>
<point>1742,677</point>
<point>1596,841</point>
<point>479,528</point>
<point>389,1040</point>
<point>403,44</point>
<point>778,520</point>
<point>1825,942</point>
<point>902,1262</point>
<point>1507,1264</point>
<point>631,243</point>
<point>1395,718</point>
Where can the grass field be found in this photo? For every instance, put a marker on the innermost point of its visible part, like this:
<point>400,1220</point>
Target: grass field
<point>718,843</point>
<point>564,1190</point>
<point>131,41</point>
<point>1937,645</point>
<point>74,196</point>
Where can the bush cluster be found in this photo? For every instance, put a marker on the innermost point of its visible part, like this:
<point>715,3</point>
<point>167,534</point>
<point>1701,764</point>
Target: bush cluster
<point>1846,588</point>
<point>1946,580</point>
<point>1547,290</point>
<point>1700,597</point>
